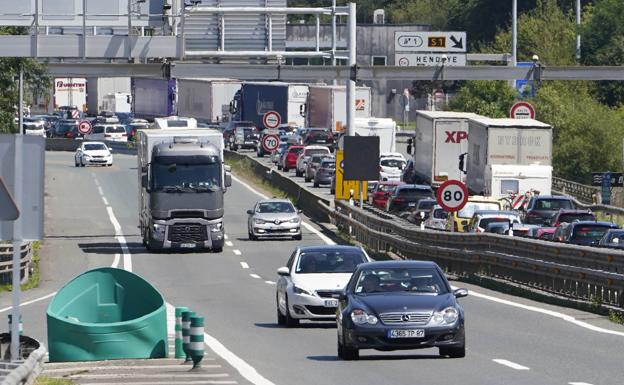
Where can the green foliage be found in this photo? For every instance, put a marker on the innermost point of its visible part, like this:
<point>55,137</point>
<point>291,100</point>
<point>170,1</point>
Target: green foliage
<point>488,98</point>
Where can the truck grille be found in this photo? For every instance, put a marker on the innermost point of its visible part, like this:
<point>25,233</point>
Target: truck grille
<point>187,214</point>
<point>402,318</point>
<point>187,232</point>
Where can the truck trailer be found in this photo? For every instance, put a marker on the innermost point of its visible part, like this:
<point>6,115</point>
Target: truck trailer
<point>182,182</point>
<point>505,142</point>
<point>207,100</point>
<point>152,98</point>
<point>384,128</point>
<point>255,99</point>
<point>327,106</point>
<point>99,88</point>
<point>440,138</point>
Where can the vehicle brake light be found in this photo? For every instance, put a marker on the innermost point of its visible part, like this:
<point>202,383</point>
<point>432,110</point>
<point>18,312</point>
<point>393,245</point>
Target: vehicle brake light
<point>124,134</point>
<point>108,136</point>
<point>399,200</point>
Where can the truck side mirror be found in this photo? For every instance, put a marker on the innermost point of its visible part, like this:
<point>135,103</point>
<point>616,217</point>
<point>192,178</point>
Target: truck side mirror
<point>228,175</point>
<point>462,161</point>
<point>302,110</point>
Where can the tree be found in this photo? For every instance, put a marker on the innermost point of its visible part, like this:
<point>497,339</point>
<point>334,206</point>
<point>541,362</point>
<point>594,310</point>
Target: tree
<point>484,97</point>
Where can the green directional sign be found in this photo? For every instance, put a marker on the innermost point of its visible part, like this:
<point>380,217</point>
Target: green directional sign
<point>8,209</point>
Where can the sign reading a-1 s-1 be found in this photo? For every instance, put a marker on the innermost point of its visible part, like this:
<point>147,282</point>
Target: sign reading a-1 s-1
<point>429,41</point>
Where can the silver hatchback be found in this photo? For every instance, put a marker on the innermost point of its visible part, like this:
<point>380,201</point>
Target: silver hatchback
<point>274,218</point>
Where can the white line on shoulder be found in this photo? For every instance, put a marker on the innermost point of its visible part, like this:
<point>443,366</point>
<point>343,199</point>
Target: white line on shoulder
<point>510,364</point>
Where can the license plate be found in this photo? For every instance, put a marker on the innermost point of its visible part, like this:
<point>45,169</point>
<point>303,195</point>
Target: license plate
<point>331,303</point>
<point>321,141</point>
<point>412,204</point>
<point>187,245</point>
<point>406,333</point>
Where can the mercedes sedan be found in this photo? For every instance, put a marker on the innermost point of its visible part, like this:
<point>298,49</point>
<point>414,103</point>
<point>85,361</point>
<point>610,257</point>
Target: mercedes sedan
<point>310,282</point>
<point>400,305</point>
<point>274,218</point>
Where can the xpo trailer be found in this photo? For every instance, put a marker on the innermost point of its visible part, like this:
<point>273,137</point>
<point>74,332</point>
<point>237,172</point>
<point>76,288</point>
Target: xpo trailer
<point>327,106</point>
<point>182,180</point>
<point>519,142</point>
<point>440,138</point>
<point>207,100</point>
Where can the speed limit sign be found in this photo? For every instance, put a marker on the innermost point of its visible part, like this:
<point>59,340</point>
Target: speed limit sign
<point>84,127</point>
<point>270,142</point>
<point>452,195</point>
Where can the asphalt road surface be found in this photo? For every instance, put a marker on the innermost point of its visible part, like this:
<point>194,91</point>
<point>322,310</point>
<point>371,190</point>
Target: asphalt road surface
<point>509,340</point>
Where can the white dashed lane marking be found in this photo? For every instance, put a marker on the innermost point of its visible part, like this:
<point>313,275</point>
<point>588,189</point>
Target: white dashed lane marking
<point>229,243</point>
<point>270,282</point>
<point>510,364</point>
<point>256,276</point>
<point>244,265</point>
<point>237,252</point>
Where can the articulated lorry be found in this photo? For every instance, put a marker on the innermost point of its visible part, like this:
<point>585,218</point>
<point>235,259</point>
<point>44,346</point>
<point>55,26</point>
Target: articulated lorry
<point>255,99</point>
<point>516,143</point>
<point>327,106</point>
<point>207,100</point>
<point>182,181</point>
<point>152,98</point>
<point>440,138</point>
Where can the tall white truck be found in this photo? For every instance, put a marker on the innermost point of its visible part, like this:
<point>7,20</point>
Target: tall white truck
<point>70,92</point>
<point>384,128</point>
<point>516,143</point>
<point>440,138</point>
<point>118,102</point>
<point>182,182</point>
<point>99,88</point>
<point>327,106</point>
<point>207,100</point>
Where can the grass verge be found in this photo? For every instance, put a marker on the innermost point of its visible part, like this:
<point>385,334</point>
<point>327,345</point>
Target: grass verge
<point>35,275</point>
<point>44,380</point>
<point>243,168</point>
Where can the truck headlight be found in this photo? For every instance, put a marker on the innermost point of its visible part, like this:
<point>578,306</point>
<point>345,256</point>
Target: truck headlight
<point>216,227</point>
<point>447,316</point>
<point>158,231</point>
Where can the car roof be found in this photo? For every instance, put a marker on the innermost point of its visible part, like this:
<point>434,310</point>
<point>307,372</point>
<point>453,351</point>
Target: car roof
<point>494,212</point>
<point>391,182</point>
<point>85,143</point>
<point>414,186</point>
<point>273,200</point>
<point>396,264</point>
<point>315,147</point>
<point>321,248</point>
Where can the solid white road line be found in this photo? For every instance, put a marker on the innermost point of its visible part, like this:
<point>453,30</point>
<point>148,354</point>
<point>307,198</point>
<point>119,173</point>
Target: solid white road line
<point>237,252</point>
<point>579,383</point>
<point>29,302</point>
<point>116,261</point>
<point>146,376</point>
<point>168,382</point>
<point>104,200</point>
<point>127,260</point>
<point>256,276</point>
<point>244,265</point>
<point>116,367</point>
<point>510,364</point>
<point>100,190</point>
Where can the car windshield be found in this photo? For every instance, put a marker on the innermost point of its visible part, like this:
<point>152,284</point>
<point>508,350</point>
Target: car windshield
<point>295,150</point>
<point>319,151</point>
<point>65,127</point>
<point>589,231</point>
<point>94,146</point>
<point>275,207</point>
<point>328,164</point>
<point>553,204</point>
<point>396,163</point>
<point>573,217</point>
<point>484,222</point>
<point>181,177</point>
<point>418,281</point>
<point>470,208</point>
<point>329,261</point>
<point>615,237</point>
<point>440,214</point>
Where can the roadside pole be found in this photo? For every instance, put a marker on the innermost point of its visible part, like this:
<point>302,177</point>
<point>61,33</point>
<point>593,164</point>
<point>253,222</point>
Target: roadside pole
<point>17,225</point>
<point>352,66</point>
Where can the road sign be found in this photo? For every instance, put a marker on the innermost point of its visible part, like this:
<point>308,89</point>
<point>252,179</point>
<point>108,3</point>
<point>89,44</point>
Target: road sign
<point>525,87</point>
<point>429,41</point>
<point>452,195</point>
<point>522,110</point>
<point>617,178</point>
<point>344,187</point>
<point>8,209</point>
<point>271,119</point>
<point>430,59</point>
<point>270,142</point>
<point>75,114</point>
<point>84,127</point>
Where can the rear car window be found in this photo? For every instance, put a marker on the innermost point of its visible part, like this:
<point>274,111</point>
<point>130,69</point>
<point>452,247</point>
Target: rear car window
<point>483,223</point>
<point>414,192</point>
<point>589,231</point>
<point>573,217</point>
<point>470,208</point>
<point>426,205</point>
<point>397,163</point>
<point>553,204</point>
<point>311,152</point>
<point>386,187</point>
<point>116,129</point>
<point>295,150</point>
<point>98,130</point>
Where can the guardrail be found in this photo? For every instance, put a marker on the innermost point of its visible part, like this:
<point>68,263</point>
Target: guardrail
<point>23,372</point>
<point>579,191</point>
<point>6,262</point>
<point>567,270</point>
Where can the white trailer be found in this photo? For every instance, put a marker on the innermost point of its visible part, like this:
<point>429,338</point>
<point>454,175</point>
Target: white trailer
<point>384,128</point>
<point>440,138</point>
<point>327,106</point>
<point>118,103</point>
<point>70,92</point>
<point>504,179</point>
<point>505,141</point>
<point>98,88</point>
<point>174,122</point>
<point>208,100</point>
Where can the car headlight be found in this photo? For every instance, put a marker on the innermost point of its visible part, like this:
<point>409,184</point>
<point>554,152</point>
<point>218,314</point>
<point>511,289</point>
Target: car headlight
<point>216,227</point>
<point>360,317</point>
<point>87,156</point>
<point>295,220</point>
<point>158,231</point>
<point>447,316</point>
<point>259,221</point>
<point>300,290</point>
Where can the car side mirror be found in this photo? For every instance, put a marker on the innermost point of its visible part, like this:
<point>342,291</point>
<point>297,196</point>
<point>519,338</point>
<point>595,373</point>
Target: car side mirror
<point>250,212</point>
<point>110,149</point>
<point>459,293</point>
<point>299,211</point>
<point>283,271</point>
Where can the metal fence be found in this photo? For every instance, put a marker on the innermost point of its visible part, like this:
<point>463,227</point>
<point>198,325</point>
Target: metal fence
<point>572,271</point>
<point>6,262</point>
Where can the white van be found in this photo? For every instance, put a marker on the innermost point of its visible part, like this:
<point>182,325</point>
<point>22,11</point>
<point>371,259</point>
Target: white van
<point>112,132</point>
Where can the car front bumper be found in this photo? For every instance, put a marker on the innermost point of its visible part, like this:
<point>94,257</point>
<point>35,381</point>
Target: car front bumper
<point>376,337</point>
<point>270,229</point>
<point>303,306</point>
<point>320,179</point>
<point>100,161</point>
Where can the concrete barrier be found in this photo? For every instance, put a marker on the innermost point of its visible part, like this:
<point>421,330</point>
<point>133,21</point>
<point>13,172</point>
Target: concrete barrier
<point>60,144</point>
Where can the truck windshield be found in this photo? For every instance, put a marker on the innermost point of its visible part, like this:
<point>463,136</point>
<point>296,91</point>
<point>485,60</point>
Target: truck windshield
<point>181,177</point>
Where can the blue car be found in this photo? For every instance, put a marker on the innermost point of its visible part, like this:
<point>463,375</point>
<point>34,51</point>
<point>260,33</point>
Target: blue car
<point>587,233</point>
<point>394,305</point>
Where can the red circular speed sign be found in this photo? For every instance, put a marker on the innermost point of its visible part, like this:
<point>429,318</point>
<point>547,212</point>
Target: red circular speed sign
<point>270,143</point>
<point>452,195</point>
<point>84,127</point>
<point>271,119</point>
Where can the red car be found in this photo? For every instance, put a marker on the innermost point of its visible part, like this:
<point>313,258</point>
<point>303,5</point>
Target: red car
<point>379,196</point>
<point>290,158</point>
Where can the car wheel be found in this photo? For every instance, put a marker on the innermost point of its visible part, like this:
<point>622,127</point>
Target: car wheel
<point>81,163</point>
<point>315,184</point>
<point>217,246</point>
<point>281,319</point>
<point>260,154</point>
<point>290,321</point>
<point>279,166</point>
<point>307,179</point>
<point>347,353</point>
<point>286,169</point>
<point>110,165</point>
<point>297,173</point>
<point>76,163</point>
<point>252,237</point>
<point>453,352</point>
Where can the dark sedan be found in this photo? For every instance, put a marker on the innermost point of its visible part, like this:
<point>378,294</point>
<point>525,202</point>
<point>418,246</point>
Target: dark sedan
<point>587,233</point>
<point>542,208</point>
<point>400,305</point>
<point>405,197</point>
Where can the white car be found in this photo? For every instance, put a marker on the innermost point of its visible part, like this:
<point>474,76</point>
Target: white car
<point>112,132</point>
<point>34,128</point>
<point>437,218</point>
<point>306,155</point>
<point>314,276</point>
<point>93,153</point>
<point>391,166</point>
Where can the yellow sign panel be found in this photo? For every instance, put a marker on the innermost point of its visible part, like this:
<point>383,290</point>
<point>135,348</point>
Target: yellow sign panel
<point>344,188</point>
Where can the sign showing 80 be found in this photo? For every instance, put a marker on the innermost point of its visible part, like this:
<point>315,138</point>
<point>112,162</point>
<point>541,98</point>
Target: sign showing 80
<point>452,195</point>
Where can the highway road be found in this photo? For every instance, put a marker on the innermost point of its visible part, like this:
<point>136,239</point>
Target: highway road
<point>509,340</point>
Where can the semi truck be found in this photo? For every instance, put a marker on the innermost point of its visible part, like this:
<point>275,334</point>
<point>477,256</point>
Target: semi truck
<point>255,99</point>
<point>520,142</point>
<point>440,138</point>
<point>327,106</point>
<point>153,98</point>
<point>70,92</point>
<point>99,88</point>
<point>182,182</point>
<point>207,100</point>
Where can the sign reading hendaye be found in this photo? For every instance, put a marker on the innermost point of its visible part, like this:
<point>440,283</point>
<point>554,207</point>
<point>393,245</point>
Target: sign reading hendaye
<point>429,59</point>
<point>429,41</point>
